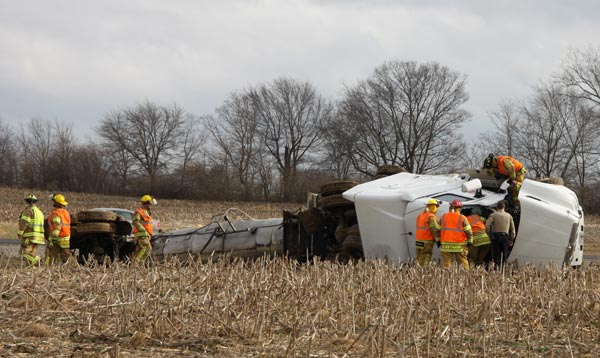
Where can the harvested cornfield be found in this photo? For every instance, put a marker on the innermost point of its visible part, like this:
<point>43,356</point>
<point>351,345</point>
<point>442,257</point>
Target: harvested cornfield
<point>279,308</point>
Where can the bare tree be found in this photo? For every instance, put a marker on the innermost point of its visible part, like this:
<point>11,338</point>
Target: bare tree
<point>64,145</point>
<point>508,123</point>
<point>192,139</point>
<point>543,145</point>
<point>149,133</point>
<point>291,115</point>
<point>8,170</point>
<point>581,73</point>
<point>35,144</point>
<point>235,132</point>
<point>406,114</point>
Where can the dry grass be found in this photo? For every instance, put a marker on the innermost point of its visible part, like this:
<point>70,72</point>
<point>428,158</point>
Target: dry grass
<point>277,308</point>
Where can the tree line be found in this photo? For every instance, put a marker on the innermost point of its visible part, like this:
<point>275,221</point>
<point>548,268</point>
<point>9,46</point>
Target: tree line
<point>277,140</point>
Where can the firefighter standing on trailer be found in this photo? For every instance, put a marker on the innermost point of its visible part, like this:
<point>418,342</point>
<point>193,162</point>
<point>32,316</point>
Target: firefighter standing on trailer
<point>31,230</point>
<point>509,167</point>
<point>428,231</point>
<point>142,229</point>
<point>59,239</point>
<point>455,234</point>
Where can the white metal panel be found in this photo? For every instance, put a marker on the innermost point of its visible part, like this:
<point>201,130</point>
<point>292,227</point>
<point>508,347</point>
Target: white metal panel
<point>548,213</point>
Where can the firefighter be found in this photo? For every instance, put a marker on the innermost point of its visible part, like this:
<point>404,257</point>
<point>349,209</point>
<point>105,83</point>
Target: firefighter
<point>481,241</point>
<point>59,222</point>
<point>428,230</point>
<point>509,167</point>
<point>455,234</point>
<point>501,228</point>
<point>31,230</point>
<point>142,229</point>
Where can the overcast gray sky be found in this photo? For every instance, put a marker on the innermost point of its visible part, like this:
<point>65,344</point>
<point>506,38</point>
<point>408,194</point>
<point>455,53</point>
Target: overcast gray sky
<point>74,61</point>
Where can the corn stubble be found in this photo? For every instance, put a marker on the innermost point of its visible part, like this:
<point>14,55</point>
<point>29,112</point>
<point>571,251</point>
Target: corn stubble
<point>281,308</point>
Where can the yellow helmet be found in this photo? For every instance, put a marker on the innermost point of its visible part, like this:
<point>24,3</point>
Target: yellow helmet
<point>31,198</point>
<point>59,199</point>
<point>148,199</point>
<point>433,202</point>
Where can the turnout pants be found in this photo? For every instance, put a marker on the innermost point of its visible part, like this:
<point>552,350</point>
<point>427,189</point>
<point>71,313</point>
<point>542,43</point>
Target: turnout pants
<point>477,254</point>
<point>424,252</point>
<point>460,257</point>
<point>143,248</point>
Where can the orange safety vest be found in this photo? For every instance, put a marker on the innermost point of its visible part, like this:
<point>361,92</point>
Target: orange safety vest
<point>65,222</point>
<point>423,231</point>
<point>452,228</point>
<point>502,170</point>
<point>146,222</point>
<point>476,224</point>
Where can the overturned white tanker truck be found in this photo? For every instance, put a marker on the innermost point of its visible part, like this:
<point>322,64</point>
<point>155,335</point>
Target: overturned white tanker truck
<point>377,219</point>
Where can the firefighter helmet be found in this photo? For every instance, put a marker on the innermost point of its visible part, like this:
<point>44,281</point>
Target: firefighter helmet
<point>31,198</point>
<point>148,199</point>
<point>456,203</point>
<point>433,202</point>
<point>59,199</point>
<point>488,163</point>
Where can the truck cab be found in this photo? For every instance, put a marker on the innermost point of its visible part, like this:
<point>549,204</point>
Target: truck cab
<point>549,221</point>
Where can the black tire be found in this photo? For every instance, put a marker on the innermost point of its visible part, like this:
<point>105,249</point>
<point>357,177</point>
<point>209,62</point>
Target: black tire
<point>555,181</point>
<point>354,230</point>
<point>95,228</point>
<point>334,201</point>
<point>336,187</point>
<point>389,169</point>
<point>94,216</point>
<point>123,228</point>
<point>352,247</point>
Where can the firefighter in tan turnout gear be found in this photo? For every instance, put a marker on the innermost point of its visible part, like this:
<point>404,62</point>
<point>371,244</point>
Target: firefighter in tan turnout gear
<point>59,222</point>
<point>428,231</point>
<point>455,234</point>
<point>142,229</point>
<point>31,230</point>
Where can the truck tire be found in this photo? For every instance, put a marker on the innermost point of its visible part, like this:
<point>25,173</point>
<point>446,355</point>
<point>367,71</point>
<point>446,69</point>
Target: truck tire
<point>354,230</point>
<point>334,201</point>
<point>95,228</point>
<point>352,247</point>
<point>556,181</point>
<point>341,232</point>
<point>336,187</point>
<point>390,169</point>
<point>94,216</point>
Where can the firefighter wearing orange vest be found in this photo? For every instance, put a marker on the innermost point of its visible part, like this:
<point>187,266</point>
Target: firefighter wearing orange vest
<point>455,234</point>
<point>31,230</point>
<point>511,168</point>
<point>59,222</point>
<point>481,241</point>
<point>428,231</point>
<point>142,229</point>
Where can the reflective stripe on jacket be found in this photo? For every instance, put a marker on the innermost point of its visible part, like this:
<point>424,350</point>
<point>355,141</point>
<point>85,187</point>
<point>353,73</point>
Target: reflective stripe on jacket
<point>516,164</point>
<point>423,230</point>
<point>33,232</point>
<point>145,222</point>
<point>59,221</point>
<point>480,236</point>
<point>453,227</point>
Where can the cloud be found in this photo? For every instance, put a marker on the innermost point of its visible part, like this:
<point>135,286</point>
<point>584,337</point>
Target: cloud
<point>81,59</point>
